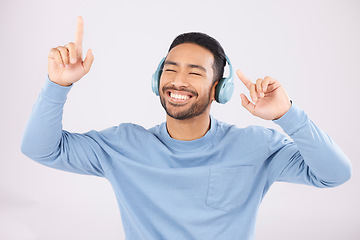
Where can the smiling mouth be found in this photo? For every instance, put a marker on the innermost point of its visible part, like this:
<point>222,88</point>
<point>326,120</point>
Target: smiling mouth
<point>178,96</point>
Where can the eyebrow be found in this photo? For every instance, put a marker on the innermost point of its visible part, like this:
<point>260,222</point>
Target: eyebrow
<point>189,65</point>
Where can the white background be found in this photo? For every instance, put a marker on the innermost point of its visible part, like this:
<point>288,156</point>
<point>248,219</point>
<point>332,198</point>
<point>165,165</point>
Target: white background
<point>311,47</point>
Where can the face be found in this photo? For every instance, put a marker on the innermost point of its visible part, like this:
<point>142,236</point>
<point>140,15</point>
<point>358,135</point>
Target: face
<point>186,83</point>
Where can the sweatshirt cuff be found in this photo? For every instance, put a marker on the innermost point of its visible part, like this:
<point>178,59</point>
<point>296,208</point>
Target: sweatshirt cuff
<point>292,120</point>
<point>55,91</point>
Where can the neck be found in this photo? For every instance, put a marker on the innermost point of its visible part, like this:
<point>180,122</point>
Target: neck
<point>188,129</point>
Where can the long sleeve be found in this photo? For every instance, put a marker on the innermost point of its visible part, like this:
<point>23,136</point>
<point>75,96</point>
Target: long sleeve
<point>45,142</point>
<point>312,157</point>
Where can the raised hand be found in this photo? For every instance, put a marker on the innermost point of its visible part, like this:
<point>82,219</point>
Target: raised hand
<point>271,101</point>
<point>65,63</point>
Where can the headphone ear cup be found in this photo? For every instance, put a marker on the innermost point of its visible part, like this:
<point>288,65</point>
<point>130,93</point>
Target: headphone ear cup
<point>224,90</point>
<point>155,81</point>
<point>218,88</point>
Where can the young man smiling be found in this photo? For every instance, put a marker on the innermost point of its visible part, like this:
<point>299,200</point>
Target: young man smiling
<point>191,177</point>
<point>186,90</point>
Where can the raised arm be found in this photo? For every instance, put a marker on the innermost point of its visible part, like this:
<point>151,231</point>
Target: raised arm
<point>44,140</point>
<point>313,158</point>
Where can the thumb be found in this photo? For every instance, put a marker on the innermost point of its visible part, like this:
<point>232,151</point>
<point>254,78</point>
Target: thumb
<point>247,104</point>
<point>89,59</point>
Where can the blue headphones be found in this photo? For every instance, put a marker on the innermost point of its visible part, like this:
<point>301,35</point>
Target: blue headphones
<point>223,92</point>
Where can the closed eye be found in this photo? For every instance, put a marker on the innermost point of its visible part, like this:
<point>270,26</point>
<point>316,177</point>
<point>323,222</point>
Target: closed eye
<point>170,70</point>
<point>197,74</point>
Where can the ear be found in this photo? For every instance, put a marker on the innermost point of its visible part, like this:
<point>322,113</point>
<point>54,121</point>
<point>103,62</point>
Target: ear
<point>213,91</point>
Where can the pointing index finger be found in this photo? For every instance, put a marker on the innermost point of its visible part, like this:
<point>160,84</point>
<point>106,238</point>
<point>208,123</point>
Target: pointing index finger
<point>245,80</point>
<point>79,31</point>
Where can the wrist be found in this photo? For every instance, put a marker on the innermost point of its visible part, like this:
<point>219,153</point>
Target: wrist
<point>292,119</point>
<point>63,84</point>
<point>286,109</point>
<point>55,91</point>
<point>60,83</point>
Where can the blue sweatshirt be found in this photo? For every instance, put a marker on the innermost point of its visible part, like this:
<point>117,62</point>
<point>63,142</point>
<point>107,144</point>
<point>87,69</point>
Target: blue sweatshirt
<point>209,188</point>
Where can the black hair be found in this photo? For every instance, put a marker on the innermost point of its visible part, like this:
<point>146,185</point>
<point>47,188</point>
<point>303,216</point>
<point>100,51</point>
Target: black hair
<point>210,44</point>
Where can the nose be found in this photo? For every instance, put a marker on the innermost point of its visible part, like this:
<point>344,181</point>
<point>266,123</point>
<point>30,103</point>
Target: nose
<point>180,80</point>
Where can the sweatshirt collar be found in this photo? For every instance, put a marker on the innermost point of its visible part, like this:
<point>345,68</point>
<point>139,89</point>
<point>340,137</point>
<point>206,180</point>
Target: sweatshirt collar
<point>188,146</point>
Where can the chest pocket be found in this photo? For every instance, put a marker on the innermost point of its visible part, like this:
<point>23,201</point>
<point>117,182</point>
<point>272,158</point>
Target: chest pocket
<point>229,187</point>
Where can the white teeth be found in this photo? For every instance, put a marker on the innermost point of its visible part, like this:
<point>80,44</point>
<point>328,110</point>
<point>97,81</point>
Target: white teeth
<point>178,96</point>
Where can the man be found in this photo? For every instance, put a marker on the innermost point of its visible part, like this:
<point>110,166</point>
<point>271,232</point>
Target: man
<point>191,177</point>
